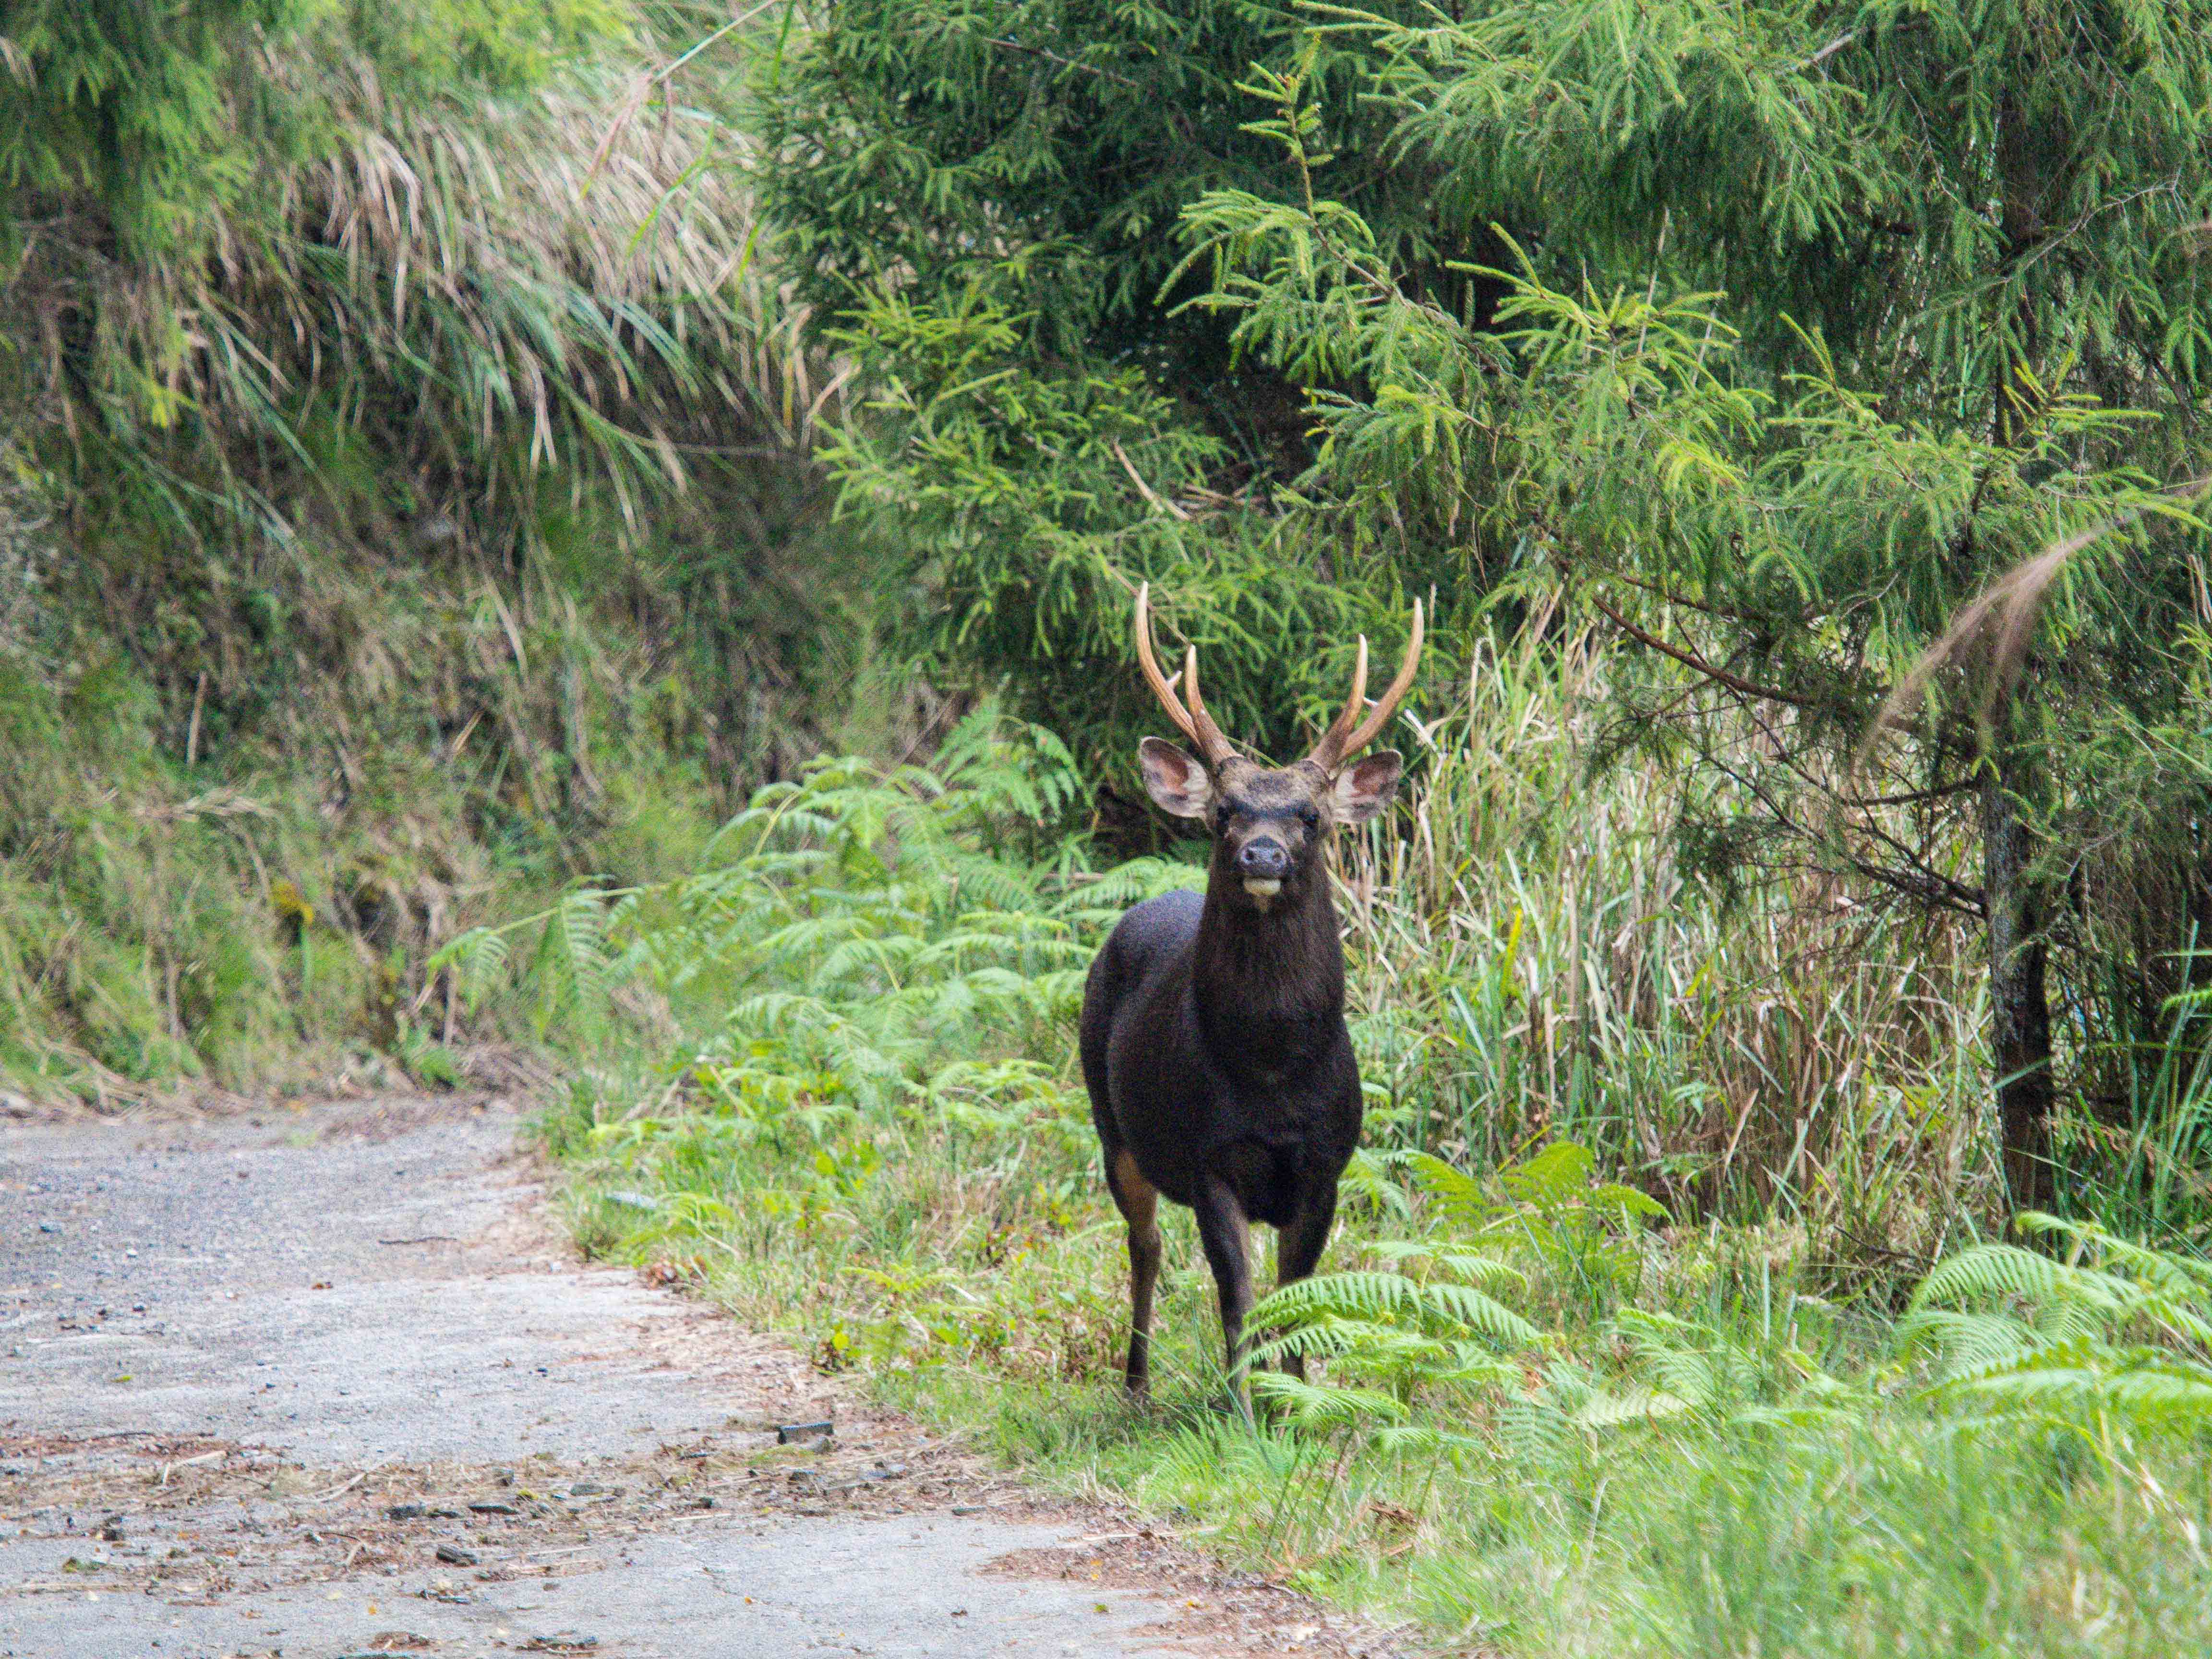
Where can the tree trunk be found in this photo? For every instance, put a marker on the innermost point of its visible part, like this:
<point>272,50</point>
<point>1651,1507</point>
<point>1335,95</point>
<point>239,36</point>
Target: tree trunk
<point>2017,904</point>
<point>2020,1003</point>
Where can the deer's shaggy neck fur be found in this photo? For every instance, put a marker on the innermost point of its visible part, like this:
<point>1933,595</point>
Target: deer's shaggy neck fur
<point>1268,980</point>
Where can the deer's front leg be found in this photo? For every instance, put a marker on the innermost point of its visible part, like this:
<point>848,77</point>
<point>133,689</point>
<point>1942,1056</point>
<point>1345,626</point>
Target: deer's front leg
<point>1226,1233</point>
<point>1299,1245</point>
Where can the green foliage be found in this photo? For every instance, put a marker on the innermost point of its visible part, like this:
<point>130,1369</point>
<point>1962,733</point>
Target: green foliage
<point>861,936</point>
<point>1836,367</point>
<point>1041,151</point>
<point>1947,192</point>
<point>146,114</point>
<point>1043,432</point>
<point>1432,1323</point>
<point>128,100</point>
<point>1538,1407</point>
<point>1583,1229</point>
<point>1628,441</point>
<point>1040,501</point>
<point>449,535</point>
<point>1909,589</point>
<point>2128,1336</point>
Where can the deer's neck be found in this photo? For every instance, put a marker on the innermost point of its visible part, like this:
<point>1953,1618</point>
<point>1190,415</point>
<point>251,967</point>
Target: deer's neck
<point>1269,983</point>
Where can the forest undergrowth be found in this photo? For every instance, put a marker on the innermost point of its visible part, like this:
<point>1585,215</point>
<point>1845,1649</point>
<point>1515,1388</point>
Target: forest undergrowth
<point>1673,1309</point>
<point>449,537</point>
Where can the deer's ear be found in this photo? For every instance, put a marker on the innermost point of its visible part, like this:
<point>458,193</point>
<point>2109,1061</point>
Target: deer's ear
<point>1363,790</point>
<point>1174,779</point>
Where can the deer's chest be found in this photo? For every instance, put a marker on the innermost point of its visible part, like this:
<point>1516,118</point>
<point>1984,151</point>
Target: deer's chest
<point>1264,1113</point>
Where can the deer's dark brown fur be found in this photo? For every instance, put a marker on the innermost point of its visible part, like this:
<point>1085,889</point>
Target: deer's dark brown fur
<point>1213,1041</point>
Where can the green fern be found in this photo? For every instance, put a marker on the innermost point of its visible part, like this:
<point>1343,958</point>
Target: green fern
<point>479,960</point>
<point>1320,1408</point>
<point>2117,1329</point>
<point>858,938</point>
<point>1394,1336</point>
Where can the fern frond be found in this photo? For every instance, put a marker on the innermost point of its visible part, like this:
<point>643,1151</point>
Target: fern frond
<point>1319,1406</point>
<point>1472,1310</point>
<point>1451,1189</point>
<point>1610,1409</point>
<point>1968,1340</point>
<point>1463,1264</point>
<point>1365,1296</point>
<point>1991,1270</point>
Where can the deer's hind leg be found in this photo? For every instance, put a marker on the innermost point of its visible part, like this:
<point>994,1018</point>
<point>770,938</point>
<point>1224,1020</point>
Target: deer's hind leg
<point>1139,1200</point>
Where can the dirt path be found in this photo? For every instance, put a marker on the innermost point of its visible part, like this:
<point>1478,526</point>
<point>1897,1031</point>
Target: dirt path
<point>321,1382</point>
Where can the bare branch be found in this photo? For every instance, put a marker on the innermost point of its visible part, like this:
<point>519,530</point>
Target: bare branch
<point>1825,53</point>
<point>1690,660</point>
<point>1066,63</point>
<point>1144,488</point>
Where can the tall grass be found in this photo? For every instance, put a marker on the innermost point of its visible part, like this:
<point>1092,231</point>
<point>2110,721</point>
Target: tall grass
<point>1537,960</point>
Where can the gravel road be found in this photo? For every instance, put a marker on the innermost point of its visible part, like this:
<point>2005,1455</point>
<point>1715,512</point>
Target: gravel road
<point>322,1380</point>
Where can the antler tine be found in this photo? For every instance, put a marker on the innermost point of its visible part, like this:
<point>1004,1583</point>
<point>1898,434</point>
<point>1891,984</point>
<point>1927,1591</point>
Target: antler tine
<point>1212,742</point>
<point>1343,738</point>
<point>1162,687</point>
<point>1393,694</point>
<point>1329,751</point>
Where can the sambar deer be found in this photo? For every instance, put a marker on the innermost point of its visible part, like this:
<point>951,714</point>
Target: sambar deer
<point>1213,1041</point>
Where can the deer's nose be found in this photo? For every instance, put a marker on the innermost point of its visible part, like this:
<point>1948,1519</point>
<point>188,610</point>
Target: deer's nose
<point>1263,861</point>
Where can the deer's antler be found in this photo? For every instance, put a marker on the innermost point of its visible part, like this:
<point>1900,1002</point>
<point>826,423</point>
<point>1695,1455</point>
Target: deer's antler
<point>1193,721</point>
<point>1348,734</point>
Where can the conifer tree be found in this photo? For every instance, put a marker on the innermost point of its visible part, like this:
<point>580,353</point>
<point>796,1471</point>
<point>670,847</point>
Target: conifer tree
<point>1853,363</point>
<point>1845,362</point>
<point>981,202</point>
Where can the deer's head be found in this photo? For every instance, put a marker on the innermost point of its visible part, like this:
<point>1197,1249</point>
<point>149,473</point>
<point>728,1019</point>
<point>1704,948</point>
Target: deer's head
<point>1269,823</point>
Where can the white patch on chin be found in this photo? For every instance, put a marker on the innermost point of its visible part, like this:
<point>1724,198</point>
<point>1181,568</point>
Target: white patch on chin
<point>1263,889</point>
